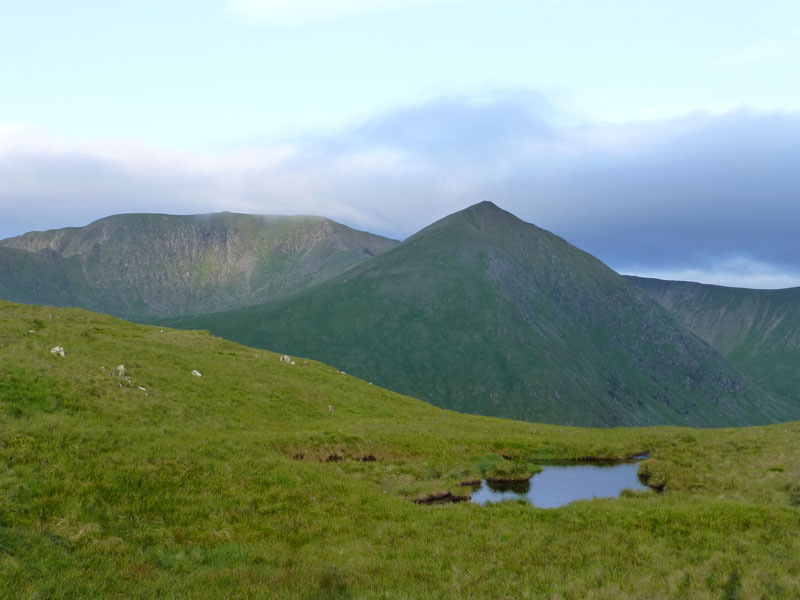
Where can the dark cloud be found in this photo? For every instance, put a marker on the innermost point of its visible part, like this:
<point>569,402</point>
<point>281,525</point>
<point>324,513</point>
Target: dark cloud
<point>712,188</point>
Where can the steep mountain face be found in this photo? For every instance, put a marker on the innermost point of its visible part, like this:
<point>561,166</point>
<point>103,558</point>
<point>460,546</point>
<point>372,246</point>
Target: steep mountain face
<point>142,266</point>
<point>484,313</point>
<point>38,278</point>
<point>758,330</point>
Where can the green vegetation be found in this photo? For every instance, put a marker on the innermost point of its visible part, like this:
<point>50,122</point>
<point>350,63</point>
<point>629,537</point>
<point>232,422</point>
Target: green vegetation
<point>486,314</point>
<point>243,484</point>
<point>757,330</point>
<point>141,266</point>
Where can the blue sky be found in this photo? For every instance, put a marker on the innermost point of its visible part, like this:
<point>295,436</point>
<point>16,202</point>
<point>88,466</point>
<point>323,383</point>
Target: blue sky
<point>661,137</point>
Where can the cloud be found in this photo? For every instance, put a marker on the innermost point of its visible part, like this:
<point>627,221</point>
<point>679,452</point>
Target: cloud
<point>704,197</point>
<point>768,50</point>
<point>447,128</point>
<point>294,12</point>
<point>699,186</point>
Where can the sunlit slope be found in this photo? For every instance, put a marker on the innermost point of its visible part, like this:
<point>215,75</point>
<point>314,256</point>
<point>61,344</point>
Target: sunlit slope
<point>142,266</point>
<point>244,483</point>
<point>758,330</point>
<point>484,313</point>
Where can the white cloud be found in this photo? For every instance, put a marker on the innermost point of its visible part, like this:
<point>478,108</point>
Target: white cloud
<point>769,50</point>
<point>135,157</point>
<point>293,12</point>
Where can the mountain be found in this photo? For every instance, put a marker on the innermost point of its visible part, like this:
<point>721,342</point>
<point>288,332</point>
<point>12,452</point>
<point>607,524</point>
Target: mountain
<point>262,479</point>
<point>39,278</point>
<point>758,330</point>
<point>484,313</point>
<point>142,266</point>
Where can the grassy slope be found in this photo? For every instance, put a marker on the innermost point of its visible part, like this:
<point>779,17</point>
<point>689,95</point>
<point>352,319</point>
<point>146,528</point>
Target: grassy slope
<point>189,489</point>
<point>486,314</point>
<point>758,330</point>
<point>149,265</point>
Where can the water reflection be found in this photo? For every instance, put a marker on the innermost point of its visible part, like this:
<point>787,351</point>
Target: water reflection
<point>517,487</point>
<point>559,485</point>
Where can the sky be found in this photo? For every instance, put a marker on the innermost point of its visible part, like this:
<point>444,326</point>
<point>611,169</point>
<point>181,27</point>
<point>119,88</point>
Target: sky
<point>662,137</point>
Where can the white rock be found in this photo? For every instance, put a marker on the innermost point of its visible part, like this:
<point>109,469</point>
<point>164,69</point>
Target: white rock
<point>196,373</point>
<point>119,370</point>
<point>58,350</point>
<point>141,388</point>
<point>330,408</point>
<point>287,360</point>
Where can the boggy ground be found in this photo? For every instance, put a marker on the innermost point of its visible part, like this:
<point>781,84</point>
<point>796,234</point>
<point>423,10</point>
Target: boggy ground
<point>221,485</point>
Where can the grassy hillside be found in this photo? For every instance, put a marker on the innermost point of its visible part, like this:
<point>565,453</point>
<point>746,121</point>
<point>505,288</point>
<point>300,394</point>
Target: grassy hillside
<point>486,314</point>
<point>242,483</point>
<point>758,330</point>
<point>148,265</point>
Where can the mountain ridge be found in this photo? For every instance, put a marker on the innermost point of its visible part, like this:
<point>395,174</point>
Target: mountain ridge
<point>146,265</point>
<point>482,312</point>
<point>757,330</point>
<point>479,312</point>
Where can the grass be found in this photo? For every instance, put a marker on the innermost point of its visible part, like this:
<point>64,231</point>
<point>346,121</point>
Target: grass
<point>242,483</point>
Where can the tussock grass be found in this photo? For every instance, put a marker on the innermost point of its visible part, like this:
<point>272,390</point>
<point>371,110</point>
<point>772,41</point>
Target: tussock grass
<point>223,485</point>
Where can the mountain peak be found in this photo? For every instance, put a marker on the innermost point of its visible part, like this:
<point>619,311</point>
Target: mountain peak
<point>484,205</point>
<point>486,210</point>
<point>484,217</point>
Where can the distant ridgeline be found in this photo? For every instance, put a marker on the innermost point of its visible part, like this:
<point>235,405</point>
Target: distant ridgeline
<point>480,312</point>
<point>757,330</point>
<point>142,266</point>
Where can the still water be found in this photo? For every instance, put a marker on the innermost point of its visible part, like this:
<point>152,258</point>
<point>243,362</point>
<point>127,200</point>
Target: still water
<point>559,485</point>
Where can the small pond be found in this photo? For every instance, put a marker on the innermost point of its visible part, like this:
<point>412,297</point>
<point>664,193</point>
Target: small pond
<point>558,485</point>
